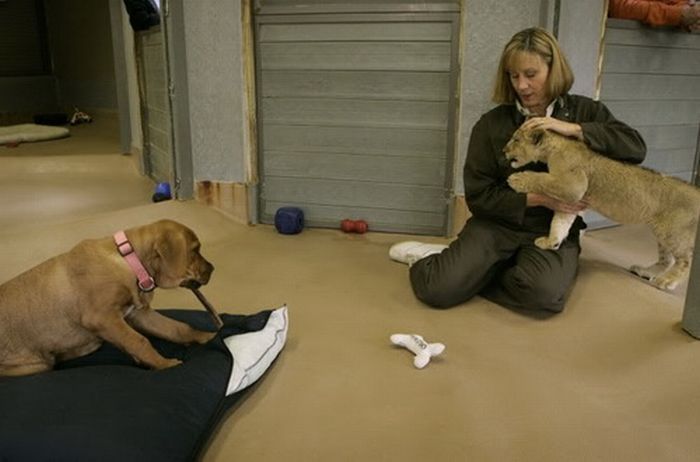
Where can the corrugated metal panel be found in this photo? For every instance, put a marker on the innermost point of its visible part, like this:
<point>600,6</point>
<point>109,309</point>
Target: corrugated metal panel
<point>157,121</point>
<point>354,118</point>
<point>361,6</point>
<point>651,80</point>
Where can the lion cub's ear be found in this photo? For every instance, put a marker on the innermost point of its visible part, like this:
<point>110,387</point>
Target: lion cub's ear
<point>536,135</point>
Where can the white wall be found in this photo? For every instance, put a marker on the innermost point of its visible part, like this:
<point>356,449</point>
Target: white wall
<point>486,27</point>
<point>216,90</point>
<point>581,26</point>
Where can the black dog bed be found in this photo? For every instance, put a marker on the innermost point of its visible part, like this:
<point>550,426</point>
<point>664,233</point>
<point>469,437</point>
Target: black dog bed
<point>104,407</point>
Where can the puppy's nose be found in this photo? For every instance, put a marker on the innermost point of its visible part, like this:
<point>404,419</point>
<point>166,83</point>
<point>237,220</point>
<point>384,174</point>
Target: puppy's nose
<point>207,269</point>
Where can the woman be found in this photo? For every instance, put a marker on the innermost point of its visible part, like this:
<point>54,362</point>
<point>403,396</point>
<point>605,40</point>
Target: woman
<point>494,254</point>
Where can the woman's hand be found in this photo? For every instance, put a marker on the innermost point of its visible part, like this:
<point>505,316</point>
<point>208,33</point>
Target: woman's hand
<point>569,129</point>
<point>540,200</point>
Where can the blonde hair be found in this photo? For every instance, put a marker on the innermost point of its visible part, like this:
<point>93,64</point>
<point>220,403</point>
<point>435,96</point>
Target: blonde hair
<point>538,41</point>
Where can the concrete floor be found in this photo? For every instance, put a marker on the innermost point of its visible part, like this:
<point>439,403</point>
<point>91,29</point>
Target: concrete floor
<point>613,378</point>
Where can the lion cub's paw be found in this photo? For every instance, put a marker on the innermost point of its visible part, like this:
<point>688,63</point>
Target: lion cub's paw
<point>660,281</point>
<point>664,283</point>
<point>547,243</point>
<point>520,182</point>
<point>642,272</point>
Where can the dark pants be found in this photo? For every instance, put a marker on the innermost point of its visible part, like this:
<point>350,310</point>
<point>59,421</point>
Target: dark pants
<point>501,265</point>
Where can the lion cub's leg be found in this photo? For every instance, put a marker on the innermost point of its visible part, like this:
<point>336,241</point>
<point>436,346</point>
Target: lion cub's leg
<point>675,275</point>
<point>567,186</point>
<point>558,230</point>
<point>679,243</point>
<point>650,272</point>
<point>675,240</point>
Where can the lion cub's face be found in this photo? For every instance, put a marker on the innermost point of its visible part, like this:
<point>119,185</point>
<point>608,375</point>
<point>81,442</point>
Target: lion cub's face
<point>525,147</point>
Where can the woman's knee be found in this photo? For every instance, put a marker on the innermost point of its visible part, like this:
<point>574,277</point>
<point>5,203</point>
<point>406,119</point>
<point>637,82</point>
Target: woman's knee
<point>438,292</point>
<point>535,292</point>
<point>435,298</point>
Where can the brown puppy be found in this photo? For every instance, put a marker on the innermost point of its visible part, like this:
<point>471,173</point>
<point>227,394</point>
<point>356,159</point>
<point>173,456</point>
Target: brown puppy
<point>66,306</point>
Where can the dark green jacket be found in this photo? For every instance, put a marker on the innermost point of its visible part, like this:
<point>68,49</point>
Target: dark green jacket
<point>486,168</point>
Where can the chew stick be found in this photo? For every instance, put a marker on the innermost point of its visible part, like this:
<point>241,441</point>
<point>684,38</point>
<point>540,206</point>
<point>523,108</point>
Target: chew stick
<point>217,319</point>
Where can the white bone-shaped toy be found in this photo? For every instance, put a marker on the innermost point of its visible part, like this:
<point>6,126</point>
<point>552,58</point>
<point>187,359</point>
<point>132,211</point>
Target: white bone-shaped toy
<point>422,349</point>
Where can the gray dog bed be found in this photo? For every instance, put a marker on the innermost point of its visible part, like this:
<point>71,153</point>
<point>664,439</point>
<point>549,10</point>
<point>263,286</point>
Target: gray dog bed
<point>25,133</point>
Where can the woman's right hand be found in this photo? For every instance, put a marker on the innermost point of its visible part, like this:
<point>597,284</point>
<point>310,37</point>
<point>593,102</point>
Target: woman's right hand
<point>540,200</point>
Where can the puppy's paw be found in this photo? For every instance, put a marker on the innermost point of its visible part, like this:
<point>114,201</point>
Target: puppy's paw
<point>168,363</point>
<point>520,182</point>
<point>202,337</point>
<point>547,243</point>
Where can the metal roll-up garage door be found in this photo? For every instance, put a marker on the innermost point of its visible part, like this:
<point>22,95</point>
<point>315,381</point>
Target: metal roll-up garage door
<point>356,112</point>
<point>650,79</point>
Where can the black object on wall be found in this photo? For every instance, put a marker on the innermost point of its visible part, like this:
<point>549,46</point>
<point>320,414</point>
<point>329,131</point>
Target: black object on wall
<point>143,14</point>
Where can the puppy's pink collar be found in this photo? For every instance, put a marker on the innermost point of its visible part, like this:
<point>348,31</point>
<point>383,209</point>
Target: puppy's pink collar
<point>145,282</point>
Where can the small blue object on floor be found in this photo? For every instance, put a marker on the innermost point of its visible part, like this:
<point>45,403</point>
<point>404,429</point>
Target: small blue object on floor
<point>289,220</point>
<point>162,192</point>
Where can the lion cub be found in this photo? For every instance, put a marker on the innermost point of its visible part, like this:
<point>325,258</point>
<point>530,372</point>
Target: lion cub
<point>622,192</point>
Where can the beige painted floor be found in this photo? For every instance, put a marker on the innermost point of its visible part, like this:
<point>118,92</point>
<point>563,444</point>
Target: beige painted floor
<point>613,378</point>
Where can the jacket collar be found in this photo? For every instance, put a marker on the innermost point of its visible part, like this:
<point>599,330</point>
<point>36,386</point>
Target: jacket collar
<point>556,108</point>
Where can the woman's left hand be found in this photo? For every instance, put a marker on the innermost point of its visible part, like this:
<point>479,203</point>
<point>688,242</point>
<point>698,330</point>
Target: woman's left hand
<point>569,129</point>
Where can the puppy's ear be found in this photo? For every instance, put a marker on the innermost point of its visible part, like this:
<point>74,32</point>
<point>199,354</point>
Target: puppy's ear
<point>164,247</point>
<point>171,251</point>
<point>537,135</point>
